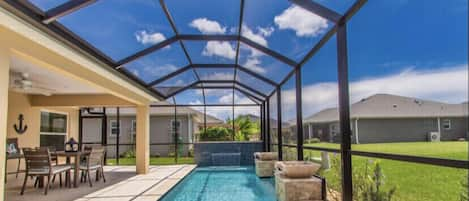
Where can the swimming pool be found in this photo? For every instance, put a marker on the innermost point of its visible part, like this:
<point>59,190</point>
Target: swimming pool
<point>222,184</point>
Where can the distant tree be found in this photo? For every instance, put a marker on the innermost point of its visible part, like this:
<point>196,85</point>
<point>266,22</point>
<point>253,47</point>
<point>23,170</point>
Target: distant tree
<point>245,128</point>
<point>216,133</point>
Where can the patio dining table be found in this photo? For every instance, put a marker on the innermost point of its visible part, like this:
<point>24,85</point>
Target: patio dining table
<point>77,157</point>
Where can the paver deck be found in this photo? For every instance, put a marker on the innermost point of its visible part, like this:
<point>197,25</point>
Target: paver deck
<point>122,184</point>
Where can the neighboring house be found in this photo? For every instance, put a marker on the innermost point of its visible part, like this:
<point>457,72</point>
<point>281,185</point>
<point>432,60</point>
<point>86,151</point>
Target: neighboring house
<point>390,118</point>
<point>162,129</point>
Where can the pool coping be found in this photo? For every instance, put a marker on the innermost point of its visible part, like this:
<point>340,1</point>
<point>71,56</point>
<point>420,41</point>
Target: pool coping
<point>177,183</point>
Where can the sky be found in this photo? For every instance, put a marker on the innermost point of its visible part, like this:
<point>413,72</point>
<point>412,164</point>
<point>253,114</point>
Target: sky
<point>399,47</point>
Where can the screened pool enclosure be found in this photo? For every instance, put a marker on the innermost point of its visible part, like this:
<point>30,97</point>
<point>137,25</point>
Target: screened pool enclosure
<point>193,57</point>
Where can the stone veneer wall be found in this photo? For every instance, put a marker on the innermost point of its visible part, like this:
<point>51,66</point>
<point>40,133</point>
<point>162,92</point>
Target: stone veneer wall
<point>203,151</point>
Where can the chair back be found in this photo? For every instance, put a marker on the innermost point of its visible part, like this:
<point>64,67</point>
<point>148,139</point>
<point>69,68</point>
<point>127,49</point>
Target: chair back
<point>37,158</point>
<point>96,156</point>
<point>12,146</point>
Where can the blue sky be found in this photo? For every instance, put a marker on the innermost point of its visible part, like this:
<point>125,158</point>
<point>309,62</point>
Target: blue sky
<point>401,47</point>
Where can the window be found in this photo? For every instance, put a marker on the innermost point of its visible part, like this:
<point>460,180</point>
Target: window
<point>53,131</point>
<point>446,124</point>
<point>114,128</point>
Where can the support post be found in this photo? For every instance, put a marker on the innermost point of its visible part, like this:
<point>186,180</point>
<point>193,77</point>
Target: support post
<point>233,114</point>
<point>175,130</point>
<point>80,130</point>
<point>268,123</point>
<point>4,82</point>
<point>143,139</point>
<point>261,119</point>
<point>299,116</point>
<point>104,133</point>
<point>118,119</point>
<point>344,112</point>
<point>279,124</point>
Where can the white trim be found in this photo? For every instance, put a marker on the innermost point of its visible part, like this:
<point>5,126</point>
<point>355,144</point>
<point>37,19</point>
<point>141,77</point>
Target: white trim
<point>356,131</point>
<point>67,124</point>
<point>53,111</point>
<point>51,133</point>
<point>310,131</point>
<point>110,128</point>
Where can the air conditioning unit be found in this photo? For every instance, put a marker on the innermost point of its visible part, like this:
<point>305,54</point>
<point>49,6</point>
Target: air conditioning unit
<point>434,137</point>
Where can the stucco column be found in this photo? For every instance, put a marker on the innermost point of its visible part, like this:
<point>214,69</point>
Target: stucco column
<point>143,139</point>
<point>4,81</point>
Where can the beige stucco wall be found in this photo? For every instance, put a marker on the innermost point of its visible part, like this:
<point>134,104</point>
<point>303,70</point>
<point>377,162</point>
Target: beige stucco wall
<point>20,104</point>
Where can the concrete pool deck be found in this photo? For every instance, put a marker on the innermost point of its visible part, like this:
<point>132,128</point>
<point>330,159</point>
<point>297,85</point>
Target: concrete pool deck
<point>122,184</point>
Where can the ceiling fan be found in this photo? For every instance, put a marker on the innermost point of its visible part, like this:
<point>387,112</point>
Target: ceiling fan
<point>21,82</point>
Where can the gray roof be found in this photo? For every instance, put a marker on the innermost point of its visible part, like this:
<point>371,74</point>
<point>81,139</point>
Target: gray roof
<point>393,106</point>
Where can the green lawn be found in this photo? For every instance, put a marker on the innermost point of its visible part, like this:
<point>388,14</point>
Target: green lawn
<point>414,182</point>
<point>154,161</point>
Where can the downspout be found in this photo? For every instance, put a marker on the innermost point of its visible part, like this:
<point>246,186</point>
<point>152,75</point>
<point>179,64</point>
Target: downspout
<point>439,125</point>
<point>356,131</point>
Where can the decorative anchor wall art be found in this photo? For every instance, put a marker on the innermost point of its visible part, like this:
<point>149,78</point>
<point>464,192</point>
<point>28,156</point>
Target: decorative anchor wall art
<point>21,128</point>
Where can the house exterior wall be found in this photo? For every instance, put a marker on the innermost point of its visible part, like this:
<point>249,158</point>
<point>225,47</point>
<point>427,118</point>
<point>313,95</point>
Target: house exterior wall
<point>20,104</point>
<point>396,130</point>
<point>459,129</point>
<point>160,132</point>
<point>392,130</point>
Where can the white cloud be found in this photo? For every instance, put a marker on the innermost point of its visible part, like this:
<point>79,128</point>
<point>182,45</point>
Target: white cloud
<point>253,63</point>
<point>159,70</point>
<point>266,31</point>
<point>207,26</point>
<point>178,83</point>
<point>219,48</point>
<point>253,60</point>
<point>256,37</point>
<point>447,84</point>
<point>217,76</point>
<point>196,102</point>
<point>147,38</point>
<point>303,22</point>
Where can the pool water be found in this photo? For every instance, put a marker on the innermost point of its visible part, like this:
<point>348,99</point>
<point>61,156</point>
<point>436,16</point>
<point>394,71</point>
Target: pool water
<point>223,184</point>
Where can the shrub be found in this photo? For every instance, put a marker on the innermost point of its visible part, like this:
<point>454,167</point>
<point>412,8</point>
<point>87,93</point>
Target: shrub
<point>368,183</point>
<point>156,155</point>
<point>313,140</point>
<point>128,154</point>
<point>191,152</point>
<point>373,187</point>
<point>171,154</point>
<point>215,134</point>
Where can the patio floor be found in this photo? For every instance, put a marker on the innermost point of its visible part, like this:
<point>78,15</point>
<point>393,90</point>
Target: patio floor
<point>122,184</point>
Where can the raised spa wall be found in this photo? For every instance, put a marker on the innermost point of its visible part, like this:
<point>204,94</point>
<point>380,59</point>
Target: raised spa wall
<point>203,151</point>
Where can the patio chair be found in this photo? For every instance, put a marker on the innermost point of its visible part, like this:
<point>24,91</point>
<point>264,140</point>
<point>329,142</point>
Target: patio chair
<point>94,162</point>
<point>13,152</point>
<point>54,160</point>
<point>39,163</point>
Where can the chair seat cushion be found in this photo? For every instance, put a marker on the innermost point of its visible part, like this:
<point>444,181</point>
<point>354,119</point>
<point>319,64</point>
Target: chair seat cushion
<point>55,169</point>
<point>92,167</point>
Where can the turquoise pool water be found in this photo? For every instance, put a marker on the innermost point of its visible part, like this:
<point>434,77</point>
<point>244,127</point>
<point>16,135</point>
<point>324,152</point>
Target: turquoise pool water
<point>222,184</point>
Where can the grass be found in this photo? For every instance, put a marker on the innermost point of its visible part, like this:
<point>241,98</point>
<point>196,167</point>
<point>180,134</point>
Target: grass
<point>153,161</point>
<point>414,182</point>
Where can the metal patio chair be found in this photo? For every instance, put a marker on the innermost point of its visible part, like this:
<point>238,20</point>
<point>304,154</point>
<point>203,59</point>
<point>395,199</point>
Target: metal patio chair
<point>39,163</point>
<point>94,161</point>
